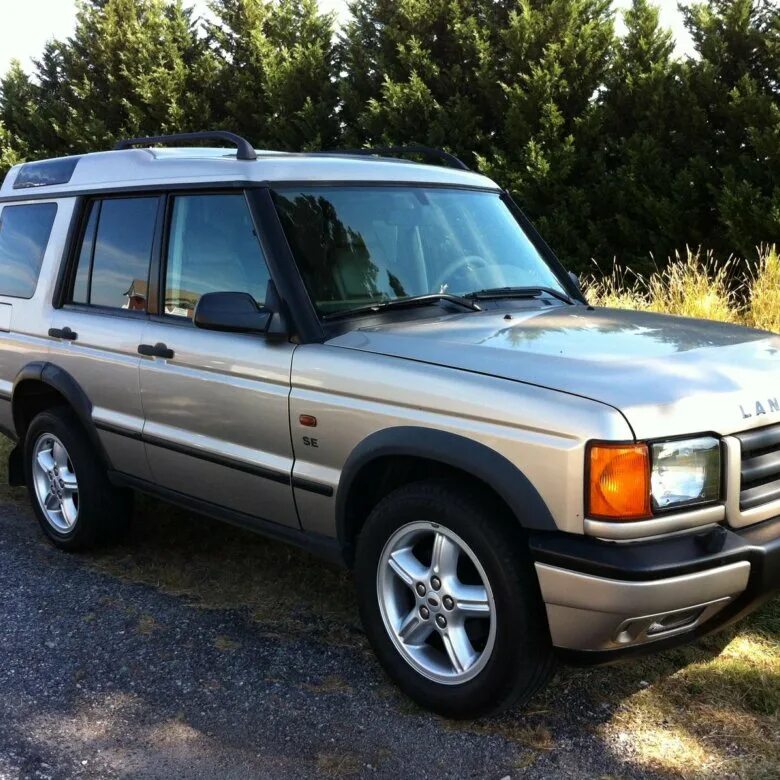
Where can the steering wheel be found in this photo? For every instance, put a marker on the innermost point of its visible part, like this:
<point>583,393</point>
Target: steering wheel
<point>457,265</point>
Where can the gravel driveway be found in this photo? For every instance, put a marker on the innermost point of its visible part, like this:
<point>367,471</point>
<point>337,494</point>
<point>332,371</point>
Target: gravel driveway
<point>102,678</point>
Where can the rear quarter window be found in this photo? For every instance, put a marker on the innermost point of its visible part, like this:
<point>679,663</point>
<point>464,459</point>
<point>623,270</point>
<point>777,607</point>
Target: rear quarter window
<point>24,234</point>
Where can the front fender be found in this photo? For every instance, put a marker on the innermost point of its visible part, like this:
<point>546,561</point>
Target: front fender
<point>453,450</point>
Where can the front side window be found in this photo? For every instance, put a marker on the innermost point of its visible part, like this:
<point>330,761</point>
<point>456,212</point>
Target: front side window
<point>212,247</point>
<point>24,234</point>
<point>361,245</point>
<point>115,252</point>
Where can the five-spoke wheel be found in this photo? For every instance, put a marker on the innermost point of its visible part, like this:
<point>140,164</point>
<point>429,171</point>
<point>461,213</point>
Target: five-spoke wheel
<point>449,598</point>
<point>56,486</point>
<point>436,602</point>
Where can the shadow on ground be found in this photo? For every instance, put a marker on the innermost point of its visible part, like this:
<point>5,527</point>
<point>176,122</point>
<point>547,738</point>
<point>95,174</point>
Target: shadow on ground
<point>694,712</point>
<point>712,708</point>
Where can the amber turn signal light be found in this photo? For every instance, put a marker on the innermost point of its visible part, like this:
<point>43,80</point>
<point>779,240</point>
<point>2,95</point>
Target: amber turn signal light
<point>619,481</point>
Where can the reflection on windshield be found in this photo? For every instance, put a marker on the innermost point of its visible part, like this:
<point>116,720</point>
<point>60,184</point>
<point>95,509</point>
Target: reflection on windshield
<point>361,245</point>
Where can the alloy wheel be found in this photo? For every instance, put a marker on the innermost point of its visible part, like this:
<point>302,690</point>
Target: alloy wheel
<point>56,487</point>
<point>436,602</point>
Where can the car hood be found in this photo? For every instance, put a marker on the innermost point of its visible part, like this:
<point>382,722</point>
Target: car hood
<point>667,375</point>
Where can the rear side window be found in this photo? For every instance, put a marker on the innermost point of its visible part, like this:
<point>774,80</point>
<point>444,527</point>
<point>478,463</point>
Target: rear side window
<point>24,234</point>
<point>113,261</point>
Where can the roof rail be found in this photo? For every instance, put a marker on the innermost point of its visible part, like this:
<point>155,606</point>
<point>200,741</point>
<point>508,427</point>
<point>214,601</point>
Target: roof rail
<point>399,151</point>
<point>245,150</point>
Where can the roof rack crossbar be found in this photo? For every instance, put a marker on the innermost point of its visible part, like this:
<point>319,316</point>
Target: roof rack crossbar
<point>245,150</point>
<point>428,152</point>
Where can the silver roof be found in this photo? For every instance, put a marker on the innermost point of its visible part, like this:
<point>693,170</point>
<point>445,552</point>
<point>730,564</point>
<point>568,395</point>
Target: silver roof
<point>159,166</point>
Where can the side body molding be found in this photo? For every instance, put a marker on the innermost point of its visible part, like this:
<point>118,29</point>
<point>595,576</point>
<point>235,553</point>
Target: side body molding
<point>453,450</point>
<point>61,381</point>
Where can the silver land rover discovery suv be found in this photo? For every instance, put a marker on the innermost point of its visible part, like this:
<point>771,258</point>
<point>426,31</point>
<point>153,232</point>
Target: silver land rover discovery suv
<point>383,362</point>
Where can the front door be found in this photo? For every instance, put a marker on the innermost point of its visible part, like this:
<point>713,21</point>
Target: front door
<point>216,404</point>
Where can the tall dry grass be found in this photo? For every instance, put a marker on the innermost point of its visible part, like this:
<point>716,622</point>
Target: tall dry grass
<point>696,285</point>
<point>764,286</point>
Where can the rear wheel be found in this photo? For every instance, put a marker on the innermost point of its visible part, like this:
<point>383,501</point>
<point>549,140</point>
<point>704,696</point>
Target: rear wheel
<point>74,501</point>
<point>450,601</point>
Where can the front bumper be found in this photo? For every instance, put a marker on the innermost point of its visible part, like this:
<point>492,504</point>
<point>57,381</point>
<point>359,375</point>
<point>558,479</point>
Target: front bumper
<point>605,599</point>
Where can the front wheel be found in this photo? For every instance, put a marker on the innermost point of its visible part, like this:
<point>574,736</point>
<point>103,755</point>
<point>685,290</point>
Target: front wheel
<point>450,602</point>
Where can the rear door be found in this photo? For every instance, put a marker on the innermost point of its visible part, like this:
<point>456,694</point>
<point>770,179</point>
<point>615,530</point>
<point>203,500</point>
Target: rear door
<point>216,404</point>
<point>96,332</point>
<point>25,231</point>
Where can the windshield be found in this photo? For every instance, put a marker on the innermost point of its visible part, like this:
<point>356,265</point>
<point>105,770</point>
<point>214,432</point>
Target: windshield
<point>356,246</point>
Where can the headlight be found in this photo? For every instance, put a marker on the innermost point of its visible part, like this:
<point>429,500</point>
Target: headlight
<point>685,472</point>
<point>635,481</point>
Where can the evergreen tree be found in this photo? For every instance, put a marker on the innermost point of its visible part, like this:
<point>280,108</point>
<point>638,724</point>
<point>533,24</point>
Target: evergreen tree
<point>645,184</point>
<point>9,155</point>
<point>613,145</point>
<point>555,58</point>
<point>736,82</point>
<point>276,83</point>
<point>422,71</point>
<point>132,67</point>
<point>18,110</point>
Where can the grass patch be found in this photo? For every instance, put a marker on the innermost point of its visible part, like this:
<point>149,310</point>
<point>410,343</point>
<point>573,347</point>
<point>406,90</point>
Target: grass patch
<point>696,285</point>
<point>147,625</point>
<point>713,715</point>
<point>708,710</point>
<point>339,764</point>
<point>215,566</point>
<point>225,644</point>
<point>764,285</point>
<point>330,684</point>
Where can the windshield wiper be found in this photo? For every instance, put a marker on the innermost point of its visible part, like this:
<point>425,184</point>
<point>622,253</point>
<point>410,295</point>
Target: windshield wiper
<point>400,303</point>
<point>518,292</point>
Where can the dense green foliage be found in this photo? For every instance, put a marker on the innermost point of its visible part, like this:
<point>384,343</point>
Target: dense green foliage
<point>616,146</point>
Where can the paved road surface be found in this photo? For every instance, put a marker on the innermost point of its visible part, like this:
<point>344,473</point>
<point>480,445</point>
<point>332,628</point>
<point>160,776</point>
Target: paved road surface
<point>105,678</point>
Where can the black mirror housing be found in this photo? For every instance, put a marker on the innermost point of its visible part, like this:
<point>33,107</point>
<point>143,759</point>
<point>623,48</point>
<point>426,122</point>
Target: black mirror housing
<point>233,312</point>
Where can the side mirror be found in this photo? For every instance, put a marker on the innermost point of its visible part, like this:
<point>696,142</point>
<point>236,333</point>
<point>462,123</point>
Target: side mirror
<point>576,280</point>
<point>235,312</point>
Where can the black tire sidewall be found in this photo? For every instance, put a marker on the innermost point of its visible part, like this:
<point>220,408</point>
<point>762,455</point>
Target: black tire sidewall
<point>522,654</point>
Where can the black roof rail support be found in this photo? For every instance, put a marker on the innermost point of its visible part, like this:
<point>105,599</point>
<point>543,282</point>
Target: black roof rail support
<point>428,152</point>
<point>245,150</point>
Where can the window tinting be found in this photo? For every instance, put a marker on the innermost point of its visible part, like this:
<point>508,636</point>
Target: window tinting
<point>113,264</point>
<point>359,245</point>
<point>212,248</point>
<point>24,234</point>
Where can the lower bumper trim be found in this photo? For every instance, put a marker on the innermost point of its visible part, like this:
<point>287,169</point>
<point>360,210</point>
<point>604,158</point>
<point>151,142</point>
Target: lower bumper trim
<point>596,590</point>
<point>585,612</point>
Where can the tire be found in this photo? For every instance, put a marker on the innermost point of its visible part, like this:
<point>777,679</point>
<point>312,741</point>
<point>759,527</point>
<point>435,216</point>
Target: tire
<point>514,656</point>
<point>95,512</point>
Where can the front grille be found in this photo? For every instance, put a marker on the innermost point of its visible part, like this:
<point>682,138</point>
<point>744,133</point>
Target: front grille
<point>760,468</point>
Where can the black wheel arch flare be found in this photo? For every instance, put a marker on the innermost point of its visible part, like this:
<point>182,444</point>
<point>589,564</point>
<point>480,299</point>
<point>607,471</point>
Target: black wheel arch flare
<point>60,380</point>
<point>449,449</point>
